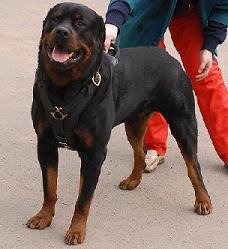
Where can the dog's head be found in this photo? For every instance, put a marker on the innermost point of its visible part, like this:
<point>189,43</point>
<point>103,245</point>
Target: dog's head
<point>72,41</point>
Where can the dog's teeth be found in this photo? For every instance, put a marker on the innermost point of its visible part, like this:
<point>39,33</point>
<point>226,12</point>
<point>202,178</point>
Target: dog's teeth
<point>71,54</point>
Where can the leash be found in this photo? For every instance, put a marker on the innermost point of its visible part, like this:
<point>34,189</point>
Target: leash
<point>58,116</point>
<point>113,54</point>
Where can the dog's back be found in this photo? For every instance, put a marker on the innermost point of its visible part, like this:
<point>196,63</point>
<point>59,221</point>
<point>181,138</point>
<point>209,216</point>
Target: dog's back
<point>151,74</point>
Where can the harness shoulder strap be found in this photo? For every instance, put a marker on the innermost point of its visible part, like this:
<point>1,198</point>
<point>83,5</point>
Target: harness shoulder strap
<point>62,119</point>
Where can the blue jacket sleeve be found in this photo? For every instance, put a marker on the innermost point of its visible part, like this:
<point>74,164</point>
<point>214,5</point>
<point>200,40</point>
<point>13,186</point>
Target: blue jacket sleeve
<point>214,34</point>
<point>219,12</point>
<point>117,13</point>
<point>131,3</point>
<point>215,30</point>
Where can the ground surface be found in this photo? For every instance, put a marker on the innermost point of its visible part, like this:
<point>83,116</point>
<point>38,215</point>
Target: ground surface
<point>157,215</point>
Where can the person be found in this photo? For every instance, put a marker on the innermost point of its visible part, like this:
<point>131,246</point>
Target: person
<point>197,27</point>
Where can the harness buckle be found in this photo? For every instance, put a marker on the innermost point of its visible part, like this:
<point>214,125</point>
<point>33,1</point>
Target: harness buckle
<point>64,145</point>
<point>57,113</point>
<point>96,79</point>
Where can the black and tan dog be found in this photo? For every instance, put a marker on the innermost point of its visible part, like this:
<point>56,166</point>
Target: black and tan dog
<point>79,96</point>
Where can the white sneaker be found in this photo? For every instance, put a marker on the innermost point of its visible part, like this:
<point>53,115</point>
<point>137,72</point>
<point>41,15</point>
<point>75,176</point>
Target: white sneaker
<point>152,160</point>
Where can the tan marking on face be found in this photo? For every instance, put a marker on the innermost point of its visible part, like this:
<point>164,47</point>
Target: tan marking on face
<point>58,14</point>
<point>44,38</point>
<point>78,16</point>
<point>60,79</point>
<point>73,44</point>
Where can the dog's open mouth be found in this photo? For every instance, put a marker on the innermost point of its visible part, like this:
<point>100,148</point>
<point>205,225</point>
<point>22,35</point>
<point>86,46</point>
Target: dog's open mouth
<point>63,56</point>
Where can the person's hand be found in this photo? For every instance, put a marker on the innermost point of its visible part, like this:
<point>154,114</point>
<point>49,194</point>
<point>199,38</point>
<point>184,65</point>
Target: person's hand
<point>111,34</point>
<point>205,64</point>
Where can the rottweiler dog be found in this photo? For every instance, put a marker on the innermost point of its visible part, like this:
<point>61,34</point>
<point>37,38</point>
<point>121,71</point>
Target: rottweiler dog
<point>79,95</point>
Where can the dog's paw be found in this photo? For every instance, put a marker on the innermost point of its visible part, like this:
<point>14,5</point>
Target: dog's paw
<point>39,221</point>
<point>129,184</point>
<point>74,237</point>
<point>203,207</point>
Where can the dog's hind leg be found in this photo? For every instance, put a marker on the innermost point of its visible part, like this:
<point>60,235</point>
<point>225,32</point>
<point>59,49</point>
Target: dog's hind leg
<point>48,158</point>
<point>135,134</point>
<point>184,129</point>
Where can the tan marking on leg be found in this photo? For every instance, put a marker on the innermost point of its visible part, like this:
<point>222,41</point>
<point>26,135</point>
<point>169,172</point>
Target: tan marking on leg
<point>52,173</point>
<point>81,184</point>
<point>44,217</point>
<point>77,230</point>
<point>135,136</point>
<point>203,203</point>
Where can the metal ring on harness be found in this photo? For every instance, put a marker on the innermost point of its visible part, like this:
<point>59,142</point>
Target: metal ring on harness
<point>57,113</point>
<point>96,79</point>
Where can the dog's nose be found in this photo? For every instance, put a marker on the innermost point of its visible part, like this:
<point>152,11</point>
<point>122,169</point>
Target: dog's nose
<point>63,32</point>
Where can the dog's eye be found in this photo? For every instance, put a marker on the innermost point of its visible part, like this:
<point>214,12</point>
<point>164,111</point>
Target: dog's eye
<point>55,18</point>
<point>79,23</point>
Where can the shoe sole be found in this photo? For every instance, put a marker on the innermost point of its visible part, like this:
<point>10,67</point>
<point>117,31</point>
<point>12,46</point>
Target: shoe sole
<point>151,167</point>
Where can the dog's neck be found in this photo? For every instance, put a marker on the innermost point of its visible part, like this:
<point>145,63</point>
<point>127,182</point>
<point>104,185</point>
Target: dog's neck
<point>77,75</point>
<point>62,93</point>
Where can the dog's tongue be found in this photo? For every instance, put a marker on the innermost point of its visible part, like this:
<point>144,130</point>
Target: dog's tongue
<point>60,56</point>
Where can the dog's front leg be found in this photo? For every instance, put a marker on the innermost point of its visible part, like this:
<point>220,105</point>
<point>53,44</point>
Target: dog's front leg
<point>90,170</point>
<point>48,159</point>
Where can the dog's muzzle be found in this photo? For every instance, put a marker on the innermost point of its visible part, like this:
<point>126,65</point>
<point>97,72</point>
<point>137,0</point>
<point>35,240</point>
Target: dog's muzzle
<point>62,33</point>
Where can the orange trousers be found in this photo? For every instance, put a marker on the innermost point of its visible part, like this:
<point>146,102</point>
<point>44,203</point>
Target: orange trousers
<point>211,92</point>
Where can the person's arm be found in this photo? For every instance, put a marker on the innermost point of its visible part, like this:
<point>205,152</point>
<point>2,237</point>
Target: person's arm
<point>214,34</point>
<point>116,16</point>
<point>117,13</point>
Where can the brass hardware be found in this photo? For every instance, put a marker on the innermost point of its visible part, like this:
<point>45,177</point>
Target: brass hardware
<point>57,113</point>
<point>96,79</point>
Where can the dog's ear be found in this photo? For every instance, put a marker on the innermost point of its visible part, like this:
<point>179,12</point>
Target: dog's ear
<point>44,24</point>
<point>43,29</point>
<point>47,16</point>
<point>99,30</point>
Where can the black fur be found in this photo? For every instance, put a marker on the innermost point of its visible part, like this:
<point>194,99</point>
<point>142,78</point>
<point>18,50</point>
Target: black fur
<point>146,79</point>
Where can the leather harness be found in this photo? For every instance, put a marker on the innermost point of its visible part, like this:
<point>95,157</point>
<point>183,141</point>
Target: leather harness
<point>62,126</point>
<point>58,116</point>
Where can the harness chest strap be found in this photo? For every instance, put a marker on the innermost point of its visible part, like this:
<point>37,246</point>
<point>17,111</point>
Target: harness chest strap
<point>62,119</point>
